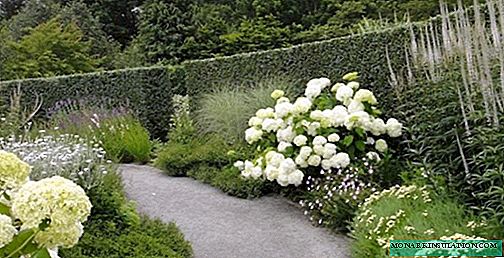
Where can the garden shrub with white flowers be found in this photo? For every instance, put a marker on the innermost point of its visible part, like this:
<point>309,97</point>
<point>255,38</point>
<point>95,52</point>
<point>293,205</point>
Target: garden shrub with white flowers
<point>331,131</point>
<point>38,216</point>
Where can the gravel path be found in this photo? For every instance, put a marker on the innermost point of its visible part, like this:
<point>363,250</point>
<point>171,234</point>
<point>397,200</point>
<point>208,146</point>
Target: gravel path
<point>221,226</point>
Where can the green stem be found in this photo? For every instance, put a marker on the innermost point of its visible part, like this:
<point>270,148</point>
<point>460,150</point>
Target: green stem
<point>28,240</point>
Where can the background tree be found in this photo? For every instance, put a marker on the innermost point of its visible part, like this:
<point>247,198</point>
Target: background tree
<point>49,49</point>
<point>166,31</point>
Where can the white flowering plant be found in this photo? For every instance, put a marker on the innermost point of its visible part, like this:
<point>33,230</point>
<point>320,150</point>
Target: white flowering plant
<point>409,212</point>
<point>37,217</point>
<point>65,155</point>
<point>329,128</point>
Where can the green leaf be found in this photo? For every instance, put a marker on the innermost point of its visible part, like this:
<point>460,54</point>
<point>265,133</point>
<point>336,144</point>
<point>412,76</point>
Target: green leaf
<point>44,253</point>
<point>360,132</point>
<point>4,209</point>
<point>348,140</point>
<point>360,145</point>
<point>14,247</point>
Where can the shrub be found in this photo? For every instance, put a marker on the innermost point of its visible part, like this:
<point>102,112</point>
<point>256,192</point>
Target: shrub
<point>230,181</point>
<point>227,109</point>
<point>409,212</point>
<point>50,49</point>
<point>176,158</point>
<point>115,229</point>
<point>319,134</point>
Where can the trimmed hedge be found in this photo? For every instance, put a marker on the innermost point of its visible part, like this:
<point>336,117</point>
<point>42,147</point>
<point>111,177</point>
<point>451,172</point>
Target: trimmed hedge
<point>149,90</point>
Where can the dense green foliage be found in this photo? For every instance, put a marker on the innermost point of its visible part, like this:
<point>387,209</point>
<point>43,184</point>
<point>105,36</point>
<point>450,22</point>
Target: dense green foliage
<point>116,230</point>
<point>49,50</point>
<point>415,215</point>
<point>147,90</point>
<point>150,90</point>
<point>136,32</point>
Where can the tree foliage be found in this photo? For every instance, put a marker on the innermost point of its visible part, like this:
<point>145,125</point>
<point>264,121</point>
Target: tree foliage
<point>49,49</point>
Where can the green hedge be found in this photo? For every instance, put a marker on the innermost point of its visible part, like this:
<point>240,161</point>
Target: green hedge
<point>149,90</point>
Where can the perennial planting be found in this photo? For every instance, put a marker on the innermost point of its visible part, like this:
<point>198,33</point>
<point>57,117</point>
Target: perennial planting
<point>329,128</point>
<point>36,216</point>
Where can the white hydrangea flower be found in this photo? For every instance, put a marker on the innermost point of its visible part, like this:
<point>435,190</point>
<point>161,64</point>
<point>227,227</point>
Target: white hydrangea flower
<point>314,160</point>
<point>351,76</point>
<point>305,151</point>
<point>276,94</point>
<point>342,160</point>
<point>271,125</point>
<point>255,121</point>
<point>296,178</point>
<point>239,164</point>
<point>312,128</point>
<point>274,158</point>
<point>271,172</point>
<point>13,171</point>
<point>319,149</point>
<point>286,135</point>
<point>329,150</point>
<point>283,179</point>
<point>381,146</point>
<point>57,199</point>
<point>315,86</point>
<point>336,87</point>
<point>334,137</point>
<point>253,135</point>
<point>326,164</point>
<point>357,119</point>
<point>355,106</point>
<point>300,140</point>
<point>283,109</point>
<point>354,85</point>
<point>378,127</point>
<point>373,156</point>
<point>344,94</point>
<point>340,115</point>
<point>247,170</point>
<point>313,90</point>
<point>282,146</point>
<point>287,166</point>
<point>319,140</point>
<point>283,100</point>
<point>256,172</point>
<point>265,113</point>
<point>7,230</point>
<point>367,96</point>
<point>317,115</point>
<point>301,160</point>
<point>302,105</point>
<point>394,128</point>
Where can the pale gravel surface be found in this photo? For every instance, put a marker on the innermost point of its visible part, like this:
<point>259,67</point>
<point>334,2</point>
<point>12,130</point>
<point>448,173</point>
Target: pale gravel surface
<point>222,226</point>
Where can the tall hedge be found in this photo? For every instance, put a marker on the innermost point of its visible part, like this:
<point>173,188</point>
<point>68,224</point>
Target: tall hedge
<point>365,53</point>
<point>149,90</point>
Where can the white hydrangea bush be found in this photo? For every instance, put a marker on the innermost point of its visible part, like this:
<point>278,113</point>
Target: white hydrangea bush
<point>38,217</point>
<point>329,128</point>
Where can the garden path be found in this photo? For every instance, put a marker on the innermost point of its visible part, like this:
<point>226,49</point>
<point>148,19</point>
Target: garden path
<point>222,226</point>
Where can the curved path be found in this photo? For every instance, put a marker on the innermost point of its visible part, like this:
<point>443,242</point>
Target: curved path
<point>222,226</point>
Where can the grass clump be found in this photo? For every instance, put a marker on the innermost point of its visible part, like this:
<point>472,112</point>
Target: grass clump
<point>226,110</point>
